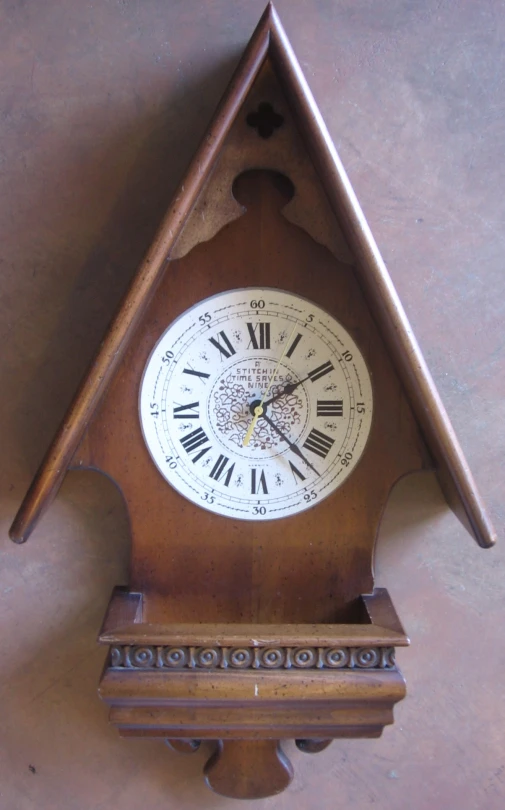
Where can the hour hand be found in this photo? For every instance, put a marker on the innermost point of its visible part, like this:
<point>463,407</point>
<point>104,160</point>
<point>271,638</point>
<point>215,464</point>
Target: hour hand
<point>292,446</point>
<point>288,389</point>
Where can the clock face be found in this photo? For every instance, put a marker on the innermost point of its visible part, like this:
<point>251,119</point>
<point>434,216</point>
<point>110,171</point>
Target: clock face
<point>204,384</point>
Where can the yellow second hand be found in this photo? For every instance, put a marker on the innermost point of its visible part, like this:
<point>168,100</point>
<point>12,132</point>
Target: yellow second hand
<point>259,408</point>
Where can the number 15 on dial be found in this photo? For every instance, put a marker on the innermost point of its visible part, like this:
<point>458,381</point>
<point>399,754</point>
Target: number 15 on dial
<point>256,404</point>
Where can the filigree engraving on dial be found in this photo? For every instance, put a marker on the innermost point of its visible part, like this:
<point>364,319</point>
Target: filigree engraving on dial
<point>239,352</point>
<point>232,412</point>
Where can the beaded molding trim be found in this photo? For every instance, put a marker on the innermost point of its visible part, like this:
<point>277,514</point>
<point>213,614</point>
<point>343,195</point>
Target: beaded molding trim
<point>154,657</point>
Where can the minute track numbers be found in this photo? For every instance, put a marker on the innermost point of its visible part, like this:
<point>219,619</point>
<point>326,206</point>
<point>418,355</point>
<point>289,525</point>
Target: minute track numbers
<point>256,413</point>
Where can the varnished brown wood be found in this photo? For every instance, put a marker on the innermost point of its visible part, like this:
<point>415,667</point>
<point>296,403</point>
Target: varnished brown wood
<point>253,704</point>
<point>226,580</point>
<point>248,770</point>
<point>241,632</point>
<point>210,703</point>
<point>238,635</point>
<point>375,623</point>
<point>270,38</point>
<point>453,472</point>
<point>58,457</point>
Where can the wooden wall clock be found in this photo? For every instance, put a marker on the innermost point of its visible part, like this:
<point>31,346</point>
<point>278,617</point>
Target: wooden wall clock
<point>255,399</point>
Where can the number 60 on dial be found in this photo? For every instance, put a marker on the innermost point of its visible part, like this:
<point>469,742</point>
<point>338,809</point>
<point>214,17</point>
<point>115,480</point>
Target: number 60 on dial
<point>210,370</point>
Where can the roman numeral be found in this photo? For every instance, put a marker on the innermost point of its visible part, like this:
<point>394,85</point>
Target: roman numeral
<point>219,468</point>
<point>320,371</point>
<point>318,443</point>
<point>296,472</point>
<point>227,350</point>
<point>330,407</point>
<point>187,411</point>
<point>192,441</point>
<point>294,344</point>
<point>258,481</point>
<point>200,374</point>
<point>263,339</point>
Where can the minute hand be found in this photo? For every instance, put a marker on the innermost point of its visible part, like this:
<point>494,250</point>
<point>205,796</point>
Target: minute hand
<point>292,445</point>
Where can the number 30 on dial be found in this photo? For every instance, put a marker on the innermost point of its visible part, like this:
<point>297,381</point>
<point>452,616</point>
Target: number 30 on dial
<point>259,356</point>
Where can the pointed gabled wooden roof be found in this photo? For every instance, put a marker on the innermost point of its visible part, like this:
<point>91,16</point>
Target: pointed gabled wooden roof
<point>269,39</point>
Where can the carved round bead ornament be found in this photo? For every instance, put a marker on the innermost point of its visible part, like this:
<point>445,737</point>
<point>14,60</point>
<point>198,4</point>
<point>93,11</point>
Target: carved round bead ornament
<point>241,658</point>
<point>337,658</point>
<point>176,657</point>
<point>142,656</point>
<point>304,658</point>
<point>367,657</point>
<point>256,404</point>
<point>207,657</point>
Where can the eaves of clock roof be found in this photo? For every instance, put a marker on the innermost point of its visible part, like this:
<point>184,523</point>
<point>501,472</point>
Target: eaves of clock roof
<point>269,40</point>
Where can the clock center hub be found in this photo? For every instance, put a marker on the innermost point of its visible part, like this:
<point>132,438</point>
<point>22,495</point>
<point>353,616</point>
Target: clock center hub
<point>236,394</point>
<point>257,404</point>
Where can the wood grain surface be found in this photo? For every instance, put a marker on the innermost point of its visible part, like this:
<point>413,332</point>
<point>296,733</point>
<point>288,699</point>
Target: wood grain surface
<point>92,104</point>
<point>268,44</point>
<point>191,564</point>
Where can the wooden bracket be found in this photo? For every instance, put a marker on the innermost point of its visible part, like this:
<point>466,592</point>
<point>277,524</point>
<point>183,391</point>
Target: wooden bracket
<point>250,686</point>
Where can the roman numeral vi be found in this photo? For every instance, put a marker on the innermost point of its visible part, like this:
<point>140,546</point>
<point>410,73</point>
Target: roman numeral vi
<point>258,482</point>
